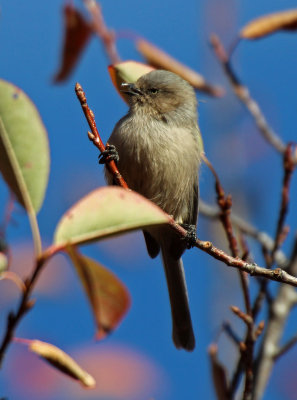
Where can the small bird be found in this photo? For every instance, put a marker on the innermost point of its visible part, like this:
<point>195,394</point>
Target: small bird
<point>158,150</point>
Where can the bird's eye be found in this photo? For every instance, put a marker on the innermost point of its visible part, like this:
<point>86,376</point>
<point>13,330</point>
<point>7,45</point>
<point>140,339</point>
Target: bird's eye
<point>153,90</point>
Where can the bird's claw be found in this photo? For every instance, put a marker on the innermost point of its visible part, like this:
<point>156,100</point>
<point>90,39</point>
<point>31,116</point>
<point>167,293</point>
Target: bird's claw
<point>191,236</point>
<point>110,153</point>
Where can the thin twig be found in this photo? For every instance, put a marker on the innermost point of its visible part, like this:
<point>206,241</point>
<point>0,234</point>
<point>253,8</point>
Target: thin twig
<point>106,35</point>
<point>227,328</point>
<point>280,234</point>
<point>262,294</point>
<point>289,167</point>
<point>244,96</point>
<point>286,347</point>
<point>225,203</point>
<point>14,318</point>
<point>246,318</point>
<point>263,290</point>
<point>259,329</point>
<point>12,276</point>
<point>244,247</point>
<point>25,304</point>
<point>236,377</point>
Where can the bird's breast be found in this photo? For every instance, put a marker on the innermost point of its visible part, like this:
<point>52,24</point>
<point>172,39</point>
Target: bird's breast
<point>158,161</point>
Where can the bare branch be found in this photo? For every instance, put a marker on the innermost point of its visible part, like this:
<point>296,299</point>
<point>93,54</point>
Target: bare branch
<point>244,96</point>
<point>225,203</point>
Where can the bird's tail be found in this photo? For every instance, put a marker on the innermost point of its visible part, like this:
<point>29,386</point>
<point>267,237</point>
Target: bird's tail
<point>182,330</point>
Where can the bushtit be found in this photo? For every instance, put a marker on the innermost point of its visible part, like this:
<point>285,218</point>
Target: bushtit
<point>159,147</point>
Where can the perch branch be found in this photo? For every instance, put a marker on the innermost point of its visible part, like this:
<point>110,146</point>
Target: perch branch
<point>95,137</point>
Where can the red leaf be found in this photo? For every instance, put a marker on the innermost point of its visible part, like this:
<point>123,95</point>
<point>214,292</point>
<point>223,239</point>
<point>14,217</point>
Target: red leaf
<point>107,295</point>
<point>76,36</point>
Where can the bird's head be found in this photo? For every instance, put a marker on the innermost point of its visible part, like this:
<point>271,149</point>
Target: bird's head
<point>160,93</point>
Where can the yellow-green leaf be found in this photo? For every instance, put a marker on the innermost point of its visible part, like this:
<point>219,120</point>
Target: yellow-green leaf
<point>270,23</point>
<point>107,295</point>
<point>3,262</point>
<point>127,72</point>
<point>105,212</point>
<point>61,361</point>
<point>24,161</point>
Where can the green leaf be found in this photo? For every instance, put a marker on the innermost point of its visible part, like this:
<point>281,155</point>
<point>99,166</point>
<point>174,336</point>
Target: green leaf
<point>24,161</point>
<point>105,212</point>
<point>107,295</point>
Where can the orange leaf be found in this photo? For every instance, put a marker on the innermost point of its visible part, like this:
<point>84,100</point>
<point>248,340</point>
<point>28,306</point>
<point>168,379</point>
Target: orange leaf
<point>62,361</point>
<point>76,36</point>
<point>161,60</point>
<point>107,295</point>
<point>268,24</point>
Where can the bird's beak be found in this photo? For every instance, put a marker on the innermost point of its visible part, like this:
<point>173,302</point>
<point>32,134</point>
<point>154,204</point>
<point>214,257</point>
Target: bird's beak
<point>130,89</point>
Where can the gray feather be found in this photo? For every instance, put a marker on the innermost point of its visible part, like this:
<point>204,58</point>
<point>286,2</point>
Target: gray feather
<point>182,330</point>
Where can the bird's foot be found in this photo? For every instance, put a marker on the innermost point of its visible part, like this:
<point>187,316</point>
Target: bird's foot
<point>191,236</point>
<point>110,153</point>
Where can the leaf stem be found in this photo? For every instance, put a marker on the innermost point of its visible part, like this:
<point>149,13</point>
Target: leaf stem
<point>35,232</point>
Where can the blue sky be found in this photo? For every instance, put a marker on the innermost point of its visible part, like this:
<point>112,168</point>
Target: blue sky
<point>31,36</point>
